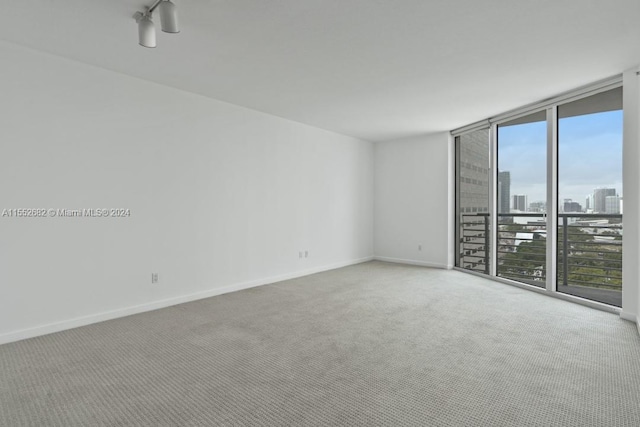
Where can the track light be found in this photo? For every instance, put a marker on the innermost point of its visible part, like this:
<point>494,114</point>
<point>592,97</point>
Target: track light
<point>169,17</point>
<point>146,28</point>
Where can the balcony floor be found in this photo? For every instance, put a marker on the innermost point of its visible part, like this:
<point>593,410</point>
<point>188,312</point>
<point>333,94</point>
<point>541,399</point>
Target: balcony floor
<point>606,296</point>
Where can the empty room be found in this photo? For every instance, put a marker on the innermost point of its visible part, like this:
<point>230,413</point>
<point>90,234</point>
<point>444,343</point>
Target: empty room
<point>320,213</point>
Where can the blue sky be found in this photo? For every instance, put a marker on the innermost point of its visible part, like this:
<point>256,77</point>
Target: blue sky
<point>590,156</point>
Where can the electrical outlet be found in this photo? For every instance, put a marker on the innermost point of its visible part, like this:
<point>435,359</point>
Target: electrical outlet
<point>419,247</point>
<point>154,278</point>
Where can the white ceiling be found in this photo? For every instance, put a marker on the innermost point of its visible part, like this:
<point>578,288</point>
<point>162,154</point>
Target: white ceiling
<point>373,69</point>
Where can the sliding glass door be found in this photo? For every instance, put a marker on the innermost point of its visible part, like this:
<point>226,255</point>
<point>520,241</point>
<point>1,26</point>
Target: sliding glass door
<point>521,196</point>
<point>539,197</point>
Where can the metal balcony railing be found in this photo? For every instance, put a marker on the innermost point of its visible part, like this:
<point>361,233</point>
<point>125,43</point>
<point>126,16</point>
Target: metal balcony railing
<point>474,242</point>
<point>589,248</point>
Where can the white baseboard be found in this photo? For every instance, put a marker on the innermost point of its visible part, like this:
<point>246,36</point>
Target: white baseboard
<point>632,318</point>
<point>628,316</point>
<point>155,305</point>
<point>413,262</point>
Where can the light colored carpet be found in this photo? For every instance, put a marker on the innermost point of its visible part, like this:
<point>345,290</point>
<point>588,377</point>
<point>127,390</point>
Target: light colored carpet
<point>367,345</point>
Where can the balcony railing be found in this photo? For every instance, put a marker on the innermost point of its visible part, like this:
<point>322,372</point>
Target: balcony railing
<point>474,242</point>
<point>589,251</point>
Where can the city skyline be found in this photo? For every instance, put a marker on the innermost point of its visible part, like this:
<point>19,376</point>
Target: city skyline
<point>589,157</point>
<point>520,202</point>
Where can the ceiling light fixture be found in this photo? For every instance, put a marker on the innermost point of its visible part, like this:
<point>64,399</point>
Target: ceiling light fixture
<point>146,28</point>
<point>169,17</point>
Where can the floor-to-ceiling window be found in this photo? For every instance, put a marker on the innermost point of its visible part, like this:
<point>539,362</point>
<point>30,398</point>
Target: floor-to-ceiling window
<point>473,200</point>
<point>539,195</point>
<point>590,197</point>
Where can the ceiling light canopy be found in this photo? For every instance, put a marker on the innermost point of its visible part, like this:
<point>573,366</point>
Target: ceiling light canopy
<point>146,28</point>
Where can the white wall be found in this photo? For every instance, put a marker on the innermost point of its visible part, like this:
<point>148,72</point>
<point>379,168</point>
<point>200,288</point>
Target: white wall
<point>631,182</point>
<point>221,197</point>
<point>414,200</point>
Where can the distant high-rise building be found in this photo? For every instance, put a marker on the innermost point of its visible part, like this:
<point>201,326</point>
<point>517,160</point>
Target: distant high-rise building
<point>474,174</point>
<point>537,207</point>
<point>600,198</point>
<point>571,206</point>
<point>504,192</point>
<point>589,203</point>
<point>612,204</point>
<point>520,202</point>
